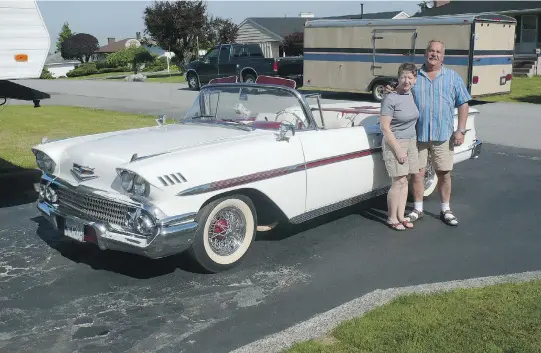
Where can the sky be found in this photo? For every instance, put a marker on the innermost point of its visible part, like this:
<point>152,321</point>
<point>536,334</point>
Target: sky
<point>122,19</point>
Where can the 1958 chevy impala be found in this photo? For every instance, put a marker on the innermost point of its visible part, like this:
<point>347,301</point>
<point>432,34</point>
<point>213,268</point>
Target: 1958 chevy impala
<point>244,155</point>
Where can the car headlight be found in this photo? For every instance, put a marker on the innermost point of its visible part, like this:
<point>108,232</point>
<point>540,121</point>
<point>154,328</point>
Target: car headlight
<point>44,162</point>
<point>126,179</point>
<point>134,183</point>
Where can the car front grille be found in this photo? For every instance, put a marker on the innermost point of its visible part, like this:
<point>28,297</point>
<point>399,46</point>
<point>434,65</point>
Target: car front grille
<point>94,207</point>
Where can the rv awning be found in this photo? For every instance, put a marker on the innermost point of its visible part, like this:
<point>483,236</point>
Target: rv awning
<point>12,90</point>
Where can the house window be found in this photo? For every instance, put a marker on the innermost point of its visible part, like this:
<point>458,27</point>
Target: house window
<point>529,29</point>
<point>518,29</point>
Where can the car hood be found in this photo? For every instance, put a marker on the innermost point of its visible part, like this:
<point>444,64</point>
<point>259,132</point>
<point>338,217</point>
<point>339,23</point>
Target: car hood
<point>106,153</point>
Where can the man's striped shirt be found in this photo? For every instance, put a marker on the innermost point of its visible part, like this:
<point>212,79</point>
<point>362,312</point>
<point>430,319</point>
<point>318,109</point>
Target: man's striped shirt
<point>436,101</point>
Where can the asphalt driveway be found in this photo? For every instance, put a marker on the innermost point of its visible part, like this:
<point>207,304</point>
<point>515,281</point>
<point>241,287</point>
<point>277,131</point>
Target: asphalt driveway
<point>56,296</point>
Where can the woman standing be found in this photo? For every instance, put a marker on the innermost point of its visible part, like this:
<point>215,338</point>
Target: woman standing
<point>398,117</point>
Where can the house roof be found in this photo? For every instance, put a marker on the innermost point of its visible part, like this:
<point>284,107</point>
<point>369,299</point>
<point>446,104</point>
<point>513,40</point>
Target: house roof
<point>57,59</point>
<point>279,27</point>
<point>477,7</point>
<point>114,47</point>
<point>368,16</point>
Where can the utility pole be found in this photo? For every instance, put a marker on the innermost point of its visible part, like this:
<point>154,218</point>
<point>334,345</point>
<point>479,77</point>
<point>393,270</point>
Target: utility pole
<point>362,10</point>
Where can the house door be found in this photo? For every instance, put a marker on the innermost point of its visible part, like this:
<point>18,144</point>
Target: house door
<point>528,28</point>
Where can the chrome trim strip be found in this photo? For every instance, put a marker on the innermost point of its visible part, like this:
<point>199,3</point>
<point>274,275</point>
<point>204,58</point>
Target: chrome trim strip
<point>273,173</point>
<point>338,205</point>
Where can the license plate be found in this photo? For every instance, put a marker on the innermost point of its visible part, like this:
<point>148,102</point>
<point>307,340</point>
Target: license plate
<point>74,230</point>
<point>503,80</point>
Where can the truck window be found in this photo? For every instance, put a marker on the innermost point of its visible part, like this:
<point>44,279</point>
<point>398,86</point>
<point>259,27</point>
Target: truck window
<point>238,51</point>
<point>224,53</point>
<point>212,54</point>
<point>254,50</point>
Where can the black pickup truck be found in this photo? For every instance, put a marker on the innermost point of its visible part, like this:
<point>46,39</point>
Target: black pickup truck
<point>243,60</point>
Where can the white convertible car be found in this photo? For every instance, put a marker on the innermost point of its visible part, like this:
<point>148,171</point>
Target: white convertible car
<point>245,155</point>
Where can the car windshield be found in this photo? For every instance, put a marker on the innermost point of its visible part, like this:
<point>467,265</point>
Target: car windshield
<point>238,103</point>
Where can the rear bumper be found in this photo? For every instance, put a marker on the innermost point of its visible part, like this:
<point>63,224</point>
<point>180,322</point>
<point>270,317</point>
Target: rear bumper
<point>476,149</point>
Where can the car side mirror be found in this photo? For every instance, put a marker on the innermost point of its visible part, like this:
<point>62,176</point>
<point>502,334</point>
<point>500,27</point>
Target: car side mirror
<point>285,126</point>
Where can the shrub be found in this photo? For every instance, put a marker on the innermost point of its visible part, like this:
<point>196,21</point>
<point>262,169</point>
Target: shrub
<point>83,70</point>
<point>46,75</point>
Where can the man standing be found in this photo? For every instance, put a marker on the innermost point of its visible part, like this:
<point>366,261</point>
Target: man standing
<point>437,92</point>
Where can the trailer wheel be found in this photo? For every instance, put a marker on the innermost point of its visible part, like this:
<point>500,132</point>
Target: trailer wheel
<point>378,91</point>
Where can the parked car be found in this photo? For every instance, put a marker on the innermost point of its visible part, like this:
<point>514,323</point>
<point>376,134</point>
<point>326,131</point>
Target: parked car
<point>243,60</point>
<point>244,156</point>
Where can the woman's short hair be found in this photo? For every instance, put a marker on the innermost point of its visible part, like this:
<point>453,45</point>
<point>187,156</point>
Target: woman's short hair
<point>407,67</point>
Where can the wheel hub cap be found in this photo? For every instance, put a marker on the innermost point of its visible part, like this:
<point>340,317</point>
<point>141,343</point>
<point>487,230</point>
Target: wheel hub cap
<point>227,231</point>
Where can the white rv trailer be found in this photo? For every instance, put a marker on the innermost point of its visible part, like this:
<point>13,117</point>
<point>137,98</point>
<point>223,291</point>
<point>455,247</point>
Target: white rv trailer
<point>24,47</point>
<point>364,55</point>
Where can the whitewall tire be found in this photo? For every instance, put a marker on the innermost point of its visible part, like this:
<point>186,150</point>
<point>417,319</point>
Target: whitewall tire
<point>227,229</point>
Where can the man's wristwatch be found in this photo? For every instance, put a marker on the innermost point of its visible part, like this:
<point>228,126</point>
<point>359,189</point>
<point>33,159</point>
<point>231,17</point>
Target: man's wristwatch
<point>462,131</point>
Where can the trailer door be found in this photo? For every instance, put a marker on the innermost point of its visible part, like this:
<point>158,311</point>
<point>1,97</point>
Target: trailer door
<point>392,47</point>
<point>492,59</point>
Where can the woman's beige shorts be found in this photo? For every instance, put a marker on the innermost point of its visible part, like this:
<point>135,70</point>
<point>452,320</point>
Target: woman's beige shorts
<point>411,166</point>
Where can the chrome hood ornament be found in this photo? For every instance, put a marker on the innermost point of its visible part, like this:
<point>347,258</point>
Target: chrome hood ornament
<point>83,172</point>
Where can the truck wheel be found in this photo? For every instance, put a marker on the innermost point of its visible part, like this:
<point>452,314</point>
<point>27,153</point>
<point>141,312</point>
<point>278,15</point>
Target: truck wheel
<point>378,91</point>
<point>248,78</point>
<point>193,83</point>
<point>227,229</point>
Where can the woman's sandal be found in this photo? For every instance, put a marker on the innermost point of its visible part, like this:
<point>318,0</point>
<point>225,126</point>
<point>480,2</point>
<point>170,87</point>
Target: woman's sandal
<point>407,224</point>
<point>395,226</point>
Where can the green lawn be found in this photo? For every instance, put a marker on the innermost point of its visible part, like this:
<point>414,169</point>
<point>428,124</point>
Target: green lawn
<point>523,90</point>
<point>503,318</point>
<point>22,127</point>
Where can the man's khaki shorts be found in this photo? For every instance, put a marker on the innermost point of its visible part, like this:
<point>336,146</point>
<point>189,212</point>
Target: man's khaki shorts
<point>395,169</point>
<point>441,154</point>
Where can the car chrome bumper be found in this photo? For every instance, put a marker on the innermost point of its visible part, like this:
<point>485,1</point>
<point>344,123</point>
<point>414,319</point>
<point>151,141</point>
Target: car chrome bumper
<point>172,235</point>
<point>476,149</point>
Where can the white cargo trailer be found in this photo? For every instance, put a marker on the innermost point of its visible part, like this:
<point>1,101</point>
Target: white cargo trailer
<point>24,47</point>
<point>364,55</point>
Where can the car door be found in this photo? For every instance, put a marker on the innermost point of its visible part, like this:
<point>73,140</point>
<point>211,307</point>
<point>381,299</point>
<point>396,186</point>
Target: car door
<point>340,165</point>
<point>226,66</point>
<point>208,66</point>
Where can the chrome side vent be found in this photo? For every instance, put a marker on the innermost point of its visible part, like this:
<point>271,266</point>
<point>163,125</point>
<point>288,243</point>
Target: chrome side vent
<point>172,179</point>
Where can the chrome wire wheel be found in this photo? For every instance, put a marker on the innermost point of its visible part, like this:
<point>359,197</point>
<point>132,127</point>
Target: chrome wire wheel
<point>227,231</point>
<point>430,180</point>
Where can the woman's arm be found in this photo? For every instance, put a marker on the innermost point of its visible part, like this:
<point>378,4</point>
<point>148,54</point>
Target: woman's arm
<point>385,126</point>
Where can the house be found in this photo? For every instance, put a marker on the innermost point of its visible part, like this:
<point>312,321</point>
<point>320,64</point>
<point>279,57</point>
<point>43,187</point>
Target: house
<point>113,46</point>
<point>59,66</point>
<point>527,33</point>
<point>269,32</point>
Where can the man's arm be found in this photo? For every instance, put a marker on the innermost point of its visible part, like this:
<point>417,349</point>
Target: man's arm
<point>462,97</point>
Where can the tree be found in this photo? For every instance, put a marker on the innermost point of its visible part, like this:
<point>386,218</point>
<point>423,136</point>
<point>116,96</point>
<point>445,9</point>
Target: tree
<point>293,44</point>
<point>65,33</point>
<point>220,31</point>
<point>80,46</point>
<point>422,7</point>
<point>176,25</point>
